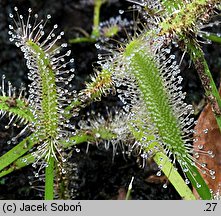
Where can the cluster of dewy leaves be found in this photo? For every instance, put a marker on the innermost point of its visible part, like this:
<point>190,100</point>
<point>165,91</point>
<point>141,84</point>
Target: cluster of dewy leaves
<point>48,104</point>
<point>146,78</point>
<point>102,31</point>
<point>149,77</point>
<point>14,105</point>
<point>116,124</point>
<point>167,128</point>
<point>47,109</point>
<point>184,19</point>
<point>48,96</point>
<point>48,74</point>
<point>185,24</point>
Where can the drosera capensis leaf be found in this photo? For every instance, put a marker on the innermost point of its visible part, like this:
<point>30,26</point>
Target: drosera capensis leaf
<point>185,19</point>
<point>212,37</point>
<point>168,118</point>
<point>18,164</point>
<point>198,182</point>
<point>49,179</point>
<point>48,95</point>
<point>174,177</point>
<point>14,159</point>
<point>206,77</point>
<point>48,118</point>
<point>14,103</point>
<point>49,91</point>
<point>101,84</point>
<point>171,6</point>
<point>16,107</point>
<point>19,150</point>
<point>20,161</point>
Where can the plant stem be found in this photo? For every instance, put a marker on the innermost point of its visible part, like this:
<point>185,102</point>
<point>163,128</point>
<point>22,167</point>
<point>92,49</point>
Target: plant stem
<point>96,32</point>
<point>129,189</point>
<point>49,179</point>
<point>11,161</point>
<point>205,75</point>
<point>16,152</point>
<point>213,37</point>
<point>18,164</point>
<point>174,177</point>
<point>82,40</point>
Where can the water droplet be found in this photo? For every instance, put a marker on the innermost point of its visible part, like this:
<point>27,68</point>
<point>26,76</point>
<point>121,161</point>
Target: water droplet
<point>200,146</point>
<point>167,51</point>
<point>160,166</point>
<point>198,185</point>
<point>203,165</point>
<point>24,160</point>
<point>205,131</point>
<point>172,56</point>
<point>159,173</point>
<point>203,171</point>
<point>209,152</point>
<point>212,172</point>
<point>185,169</point>
<point>187,181</point>
<point>10,27</point>
<point>212,155</point>
<point>121,11</point>
<point>165,185</point>
<point>97,135</point>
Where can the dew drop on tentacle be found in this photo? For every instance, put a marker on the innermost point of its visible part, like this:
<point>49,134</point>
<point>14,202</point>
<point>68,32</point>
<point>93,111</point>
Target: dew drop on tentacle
<point>187,181</point>
<point>159,173</point>
<point>165,185</point>
<point>198,185</point>
<point>77,150</point>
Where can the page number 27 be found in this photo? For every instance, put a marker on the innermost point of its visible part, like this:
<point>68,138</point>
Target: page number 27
<point>210,206</point>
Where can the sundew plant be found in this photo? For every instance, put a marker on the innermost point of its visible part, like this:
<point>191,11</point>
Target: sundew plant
<point>154,121</point>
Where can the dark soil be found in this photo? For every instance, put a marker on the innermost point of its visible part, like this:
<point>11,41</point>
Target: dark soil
<point>98,176</point>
